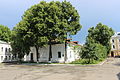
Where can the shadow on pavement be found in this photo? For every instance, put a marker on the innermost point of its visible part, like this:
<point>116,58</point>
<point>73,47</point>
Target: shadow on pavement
<point>118,75</point>
<point>117,64</point>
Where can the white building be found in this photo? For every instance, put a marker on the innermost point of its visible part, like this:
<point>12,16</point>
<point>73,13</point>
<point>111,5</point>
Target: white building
<point>5,52</point>
<point>58,53</point>
<point>115,45</point>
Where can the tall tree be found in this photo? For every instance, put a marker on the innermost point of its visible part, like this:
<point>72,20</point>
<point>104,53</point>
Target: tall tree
<point>30,36</point>
<point>5,33</point>
<point>19,46</point>
<point>49,22</point>
<point>101,34</point>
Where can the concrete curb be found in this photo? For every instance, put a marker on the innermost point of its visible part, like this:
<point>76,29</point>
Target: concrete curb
<point>32,64</point>
<point>99,64</point>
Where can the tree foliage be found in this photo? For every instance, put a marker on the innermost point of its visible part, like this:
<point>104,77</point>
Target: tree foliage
<point>93,51</point>
<point>101,34</point>
<point>48,21</point>
<point>5,33</point>
<point>19,46</point>
<point>97,44</point>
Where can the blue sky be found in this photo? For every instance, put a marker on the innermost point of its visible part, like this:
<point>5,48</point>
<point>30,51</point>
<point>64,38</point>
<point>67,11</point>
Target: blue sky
<point>91,12</point>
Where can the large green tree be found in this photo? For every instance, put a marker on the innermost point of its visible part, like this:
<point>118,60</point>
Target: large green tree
<point>48,22</point>
<point>19,46</point>
<point>5,33</point>
<point>97,44</point>
<point>29,36</point>
<point>101,34</point>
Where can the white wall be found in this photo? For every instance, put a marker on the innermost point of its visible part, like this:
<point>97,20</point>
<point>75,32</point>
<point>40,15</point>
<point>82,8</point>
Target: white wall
<point>72,54</point>
<point>58,48</point>
<point>44,54</point>
<point>5,56</point>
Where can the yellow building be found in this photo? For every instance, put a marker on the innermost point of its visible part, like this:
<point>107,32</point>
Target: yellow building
<point>115,45</point>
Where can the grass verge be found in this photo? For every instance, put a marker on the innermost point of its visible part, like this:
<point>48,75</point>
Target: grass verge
<point>85,62</point>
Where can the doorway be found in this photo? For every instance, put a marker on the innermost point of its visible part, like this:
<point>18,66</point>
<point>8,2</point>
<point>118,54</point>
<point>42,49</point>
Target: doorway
<point>112,54</point>
<point>31,57</point>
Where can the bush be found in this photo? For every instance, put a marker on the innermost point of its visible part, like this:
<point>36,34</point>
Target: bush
<point>93,52</point>
<point>85,61</point>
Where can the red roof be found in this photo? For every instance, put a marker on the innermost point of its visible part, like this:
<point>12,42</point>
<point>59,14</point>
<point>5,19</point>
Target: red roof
<point>73,42</point>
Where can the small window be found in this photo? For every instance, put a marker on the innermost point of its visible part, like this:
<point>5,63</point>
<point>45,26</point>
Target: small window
<point>118,33</point>
<point>113,40</point>
<point>2,49</point>
<point>1,57</point>
<point>9,49</point>
<point>9,57</point>
<point>5,49</point>
<point>5,57</point>
<point>113,46</point>
<point>62,55</point>
<point>119,40</point>
<point>12,57</point>
<point>59,54</point>
<point>70,54</point>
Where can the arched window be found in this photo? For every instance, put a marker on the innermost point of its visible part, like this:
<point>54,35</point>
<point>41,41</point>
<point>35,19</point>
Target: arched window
<point>113,40</point>
<point>5,49</point>
<point>2,49</point>
<point>113,46</point>
<point>1,57</point>
<point>9,57</point>
<point>5,57</point>
<point>9,49</point>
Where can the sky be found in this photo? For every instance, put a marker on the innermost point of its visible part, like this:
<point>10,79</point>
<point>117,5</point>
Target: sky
<point>91,13</point>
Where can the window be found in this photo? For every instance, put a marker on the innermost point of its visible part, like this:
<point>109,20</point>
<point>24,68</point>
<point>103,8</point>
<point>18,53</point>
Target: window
<point>5,49</point>
<point>2,49</point>
<point>12,57</point>
<point>59,54</point>
<point>1,57</point>
<point>9,57</point>
<point>62,55</point>
<point>118,33</point>
<point>9,49</point>
<point>113,46</point>
<point>70,54</point>
<point>113,40</point>
<point>5,57</point>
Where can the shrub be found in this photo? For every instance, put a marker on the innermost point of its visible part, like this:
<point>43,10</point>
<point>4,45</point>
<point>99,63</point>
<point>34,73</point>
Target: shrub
<point>93,51</point>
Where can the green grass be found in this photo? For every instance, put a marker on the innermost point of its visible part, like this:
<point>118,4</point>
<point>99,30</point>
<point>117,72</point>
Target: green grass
<point>85,62</point>
<point>80,62</point>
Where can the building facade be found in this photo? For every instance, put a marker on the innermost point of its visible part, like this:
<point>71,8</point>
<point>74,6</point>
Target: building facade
<point>115,45</point>
<point>58,53</point>
<point>5,52</point>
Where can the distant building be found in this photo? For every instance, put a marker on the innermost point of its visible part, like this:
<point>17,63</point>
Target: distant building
<point>115,45</point>
<point>5,52</point>
<point>58,53</point>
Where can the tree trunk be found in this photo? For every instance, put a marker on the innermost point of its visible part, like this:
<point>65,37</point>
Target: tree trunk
<point>89,61</point>
<point>37,53</point>
<point>50,50</point>
<point>65,57</point>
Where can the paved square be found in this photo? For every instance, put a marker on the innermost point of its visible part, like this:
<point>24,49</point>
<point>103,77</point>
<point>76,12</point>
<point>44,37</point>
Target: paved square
<point>110,70</point>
